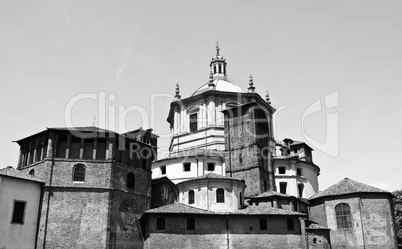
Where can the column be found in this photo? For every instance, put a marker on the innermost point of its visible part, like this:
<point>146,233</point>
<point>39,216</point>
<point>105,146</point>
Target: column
<point>50,145</point>
<point>109,148</point>
<point>82,148</point>
<point>20,158</point>
<point>181,121</point>
<point>199,117</point>
<point>30,156</point>
<point>68,145</point>
<point>42,153</point>
<point>35,145</point>
<point>95,147</point>
<point>176,123</point>
<point>211,113</point>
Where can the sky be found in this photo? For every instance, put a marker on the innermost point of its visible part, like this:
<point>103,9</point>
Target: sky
<point>332,69</point>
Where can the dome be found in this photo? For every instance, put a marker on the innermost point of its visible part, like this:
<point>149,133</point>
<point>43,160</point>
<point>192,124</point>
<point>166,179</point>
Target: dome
<point>220,85</point>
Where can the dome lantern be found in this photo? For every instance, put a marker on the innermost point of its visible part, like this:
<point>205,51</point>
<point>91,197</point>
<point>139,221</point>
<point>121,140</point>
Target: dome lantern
<point>218,65</point>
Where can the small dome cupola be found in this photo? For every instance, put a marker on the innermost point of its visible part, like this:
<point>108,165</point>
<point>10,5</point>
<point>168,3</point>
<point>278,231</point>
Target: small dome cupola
<point>218,65</point>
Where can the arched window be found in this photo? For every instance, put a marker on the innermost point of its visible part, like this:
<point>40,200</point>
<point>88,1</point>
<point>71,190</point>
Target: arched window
<point>191,197</point>
<point>32,172</point>
<point>300,188</point>
<point>130,180</point>
<point>79,173</point>
<point>220,195</point>
<point>343,217</point>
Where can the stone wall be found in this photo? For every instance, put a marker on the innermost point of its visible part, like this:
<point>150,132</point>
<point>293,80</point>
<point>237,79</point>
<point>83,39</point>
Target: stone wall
<point>249,153</point>
<point>371,216</point>
<point>76,219</point>
<point>220,231</point>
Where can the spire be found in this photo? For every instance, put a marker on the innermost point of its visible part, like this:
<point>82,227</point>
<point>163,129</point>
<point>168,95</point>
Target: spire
<point>267,97</point>
<point>251,88</point>
<point>218,65</point>
<point>177,96</point>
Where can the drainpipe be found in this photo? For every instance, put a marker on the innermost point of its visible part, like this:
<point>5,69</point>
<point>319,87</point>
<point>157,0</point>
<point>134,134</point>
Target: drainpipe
<point>227,231</point>
<point>49,193</point>
<point>229,148</point>
<point>361,221</point>
<point>39,214</point>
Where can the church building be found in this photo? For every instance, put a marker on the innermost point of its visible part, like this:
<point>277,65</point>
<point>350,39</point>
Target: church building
<point>227,183</point>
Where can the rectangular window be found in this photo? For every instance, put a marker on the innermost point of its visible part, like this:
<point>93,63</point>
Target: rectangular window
<point>163,170</point>
<point>193,122</point>
<point>291,225</point>
<point>18,212</point>
<point>160,223</point>
<point>186,167</point>
<point>263,224</point>
<point>282,187</point>
<point>299,172</point>
<point>282,170</point>
<point>211,166</point>
<point>190,223</point>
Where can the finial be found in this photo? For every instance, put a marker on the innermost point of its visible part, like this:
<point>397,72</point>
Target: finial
<point>177,96</point>
<point>267,97</point>
<point>217,48</point>
<point>251,88</point>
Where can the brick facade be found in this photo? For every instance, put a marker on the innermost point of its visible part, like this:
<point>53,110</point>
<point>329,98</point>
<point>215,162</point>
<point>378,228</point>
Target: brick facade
<point>100,209</point>
<point>223,231</point>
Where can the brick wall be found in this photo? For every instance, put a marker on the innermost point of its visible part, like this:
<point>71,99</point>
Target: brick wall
<point>77,219</point>
<point>212,232</point>
<point>371,216</point>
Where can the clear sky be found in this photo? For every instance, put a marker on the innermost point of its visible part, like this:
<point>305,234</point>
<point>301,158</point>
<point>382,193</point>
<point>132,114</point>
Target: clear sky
<point>134,52</point>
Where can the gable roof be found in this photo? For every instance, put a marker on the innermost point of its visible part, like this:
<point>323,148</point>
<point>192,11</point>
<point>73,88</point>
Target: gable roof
<point>11,172</point>
<point>347,186</point>
<point>179,208</point>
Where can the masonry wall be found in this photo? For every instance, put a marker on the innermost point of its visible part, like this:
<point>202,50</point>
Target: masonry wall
<point>372,221</point>
<point>220,231</point>
<point>318,239</point>
<point>127,206</point>
<point>249,156</point>
<point>76,219</point>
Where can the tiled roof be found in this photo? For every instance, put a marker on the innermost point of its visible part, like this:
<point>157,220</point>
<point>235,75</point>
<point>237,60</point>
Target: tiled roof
<point>178,208</point>
<point>210,176</point>
<point>214,176</point>
<point>316,226</point>
<point>269,194</point>
<point>11,172</point>
<point>83,128</point>
<point>347,186</point>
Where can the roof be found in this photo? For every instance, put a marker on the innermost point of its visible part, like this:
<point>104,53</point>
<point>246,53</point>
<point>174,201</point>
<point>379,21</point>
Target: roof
<point>179,208</point>
<point>316,226</point>
<point>221,85</point>
<point>83,128</point>
<point>86,132</point>
<point>270,193</point>
<point>210,176</point>
<point>347,186</point>
<point>11,172</point>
